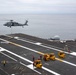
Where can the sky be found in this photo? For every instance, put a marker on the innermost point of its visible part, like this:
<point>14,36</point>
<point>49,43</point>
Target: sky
<point>37,6</point>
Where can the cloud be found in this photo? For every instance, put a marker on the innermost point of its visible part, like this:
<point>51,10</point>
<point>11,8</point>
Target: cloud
<point>35,6</point>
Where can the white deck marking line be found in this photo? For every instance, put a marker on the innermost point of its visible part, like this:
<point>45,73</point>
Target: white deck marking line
<point>57,50</point>
<point>29,67</point>
<point>38,43</point>
<point>4,71</point>
<point>20,62</point>
<point>5,42</point>
<point>18,56</point>
<point>48,70</point>
<point>44,46</point>
<point>8,56</point>
<point>39,52</point>
<point>22,46</point>
<point>1,49</point>
<point>73,53</point>
<point>46,63</point>
<point>12,74</point>
<point>70,63</point>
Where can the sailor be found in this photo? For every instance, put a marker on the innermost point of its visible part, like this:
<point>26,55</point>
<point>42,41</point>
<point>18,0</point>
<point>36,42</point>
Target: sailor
<point>40,57</point>
<point>33,58</point>
<point>4,63</point>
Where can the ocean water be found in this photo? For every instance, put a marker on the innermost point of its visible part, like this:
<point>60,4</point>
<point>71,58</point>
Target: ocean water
<point>43,26</point>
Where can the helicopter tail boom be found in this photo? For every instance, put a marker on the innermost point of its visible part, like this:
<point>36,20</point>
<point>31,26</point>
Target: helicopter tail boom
<point>26,22</point>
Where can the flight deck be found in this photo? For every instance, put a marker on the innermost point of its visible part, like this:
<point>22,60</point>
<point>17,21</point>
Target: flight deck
<point>18,51</point>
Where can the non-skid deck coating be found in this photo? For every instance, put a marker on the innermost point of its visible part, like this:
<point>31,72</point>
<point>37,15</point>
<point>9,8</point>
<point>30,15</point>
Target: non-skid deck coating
<point>19,49</point>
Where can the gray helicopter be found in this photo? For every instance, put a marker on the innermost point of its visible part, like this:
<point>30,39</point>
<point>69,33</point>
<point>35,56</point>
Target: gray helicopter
<point>12,23</point>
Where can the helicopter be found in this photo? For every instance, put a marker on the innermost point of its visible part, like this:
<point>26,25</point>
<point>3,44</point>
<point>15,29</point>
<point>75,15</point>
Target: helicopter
<point>12,23</point>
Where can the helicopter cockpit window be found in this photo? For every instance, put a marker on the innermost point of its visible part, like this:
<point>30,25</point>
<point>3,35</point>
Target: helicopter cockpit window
<point>8,23</point>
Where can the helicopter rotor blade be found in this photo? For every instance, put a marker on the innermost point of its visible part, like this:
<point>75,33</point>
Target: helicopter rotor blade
<point>6,20</point>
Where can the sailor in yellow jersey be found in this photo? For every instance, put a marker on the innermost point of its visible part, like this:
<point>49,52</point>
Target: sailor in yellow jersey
<point>4,63</point>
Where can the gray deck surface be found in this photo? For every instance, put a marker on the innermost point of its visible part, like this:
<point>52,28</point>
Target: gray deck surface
<point>18,52</point>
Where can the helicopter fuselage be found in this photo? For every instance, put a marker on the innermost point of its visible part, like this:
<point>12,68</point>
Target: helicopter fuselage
<point>10,24</point>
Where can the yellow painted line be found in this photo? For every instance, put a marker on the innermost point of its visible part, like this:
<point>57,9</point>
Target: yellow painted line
<point>14,44</point>
<point>40,53</point>
<point>55,58</point>
<point>35,50</point>
<point>59,59</point>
